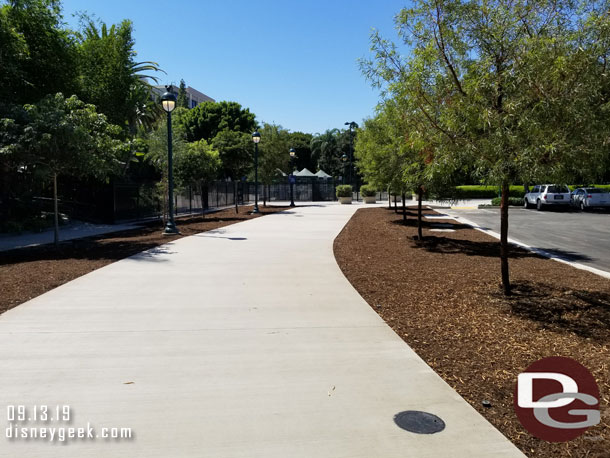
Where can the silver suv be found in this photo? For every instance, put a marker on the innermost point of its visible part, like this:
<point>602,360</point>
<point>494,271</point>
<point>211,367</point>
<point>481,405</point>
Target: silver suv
<point>545,195</point>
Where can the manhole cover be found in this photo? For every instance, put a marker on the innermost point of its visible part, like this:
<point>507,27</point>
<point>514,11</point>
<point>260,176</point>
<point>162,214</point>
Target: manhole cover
<point>419,422</point>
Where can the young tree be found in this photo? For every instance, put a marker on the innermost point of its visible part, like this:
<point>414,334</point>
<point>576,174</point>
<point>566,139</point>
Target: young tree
<point>236,156</point>
<point>65,136</point>
<point>380,151</point>
<point>197,165</point>
<point>475,77</point>
<point>274,154</point>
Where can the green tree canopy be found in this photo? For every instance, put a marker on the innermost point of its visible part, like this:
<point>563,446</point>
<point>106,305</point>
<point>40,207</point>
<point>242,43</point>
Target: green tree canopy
<point>301,142</point>
<point>378,150</point>
<point>236,153</point>
<point>274,153</point>
<point>65,136</point>
<point>197,163</point>
<point>207,119</point>
<point>183,100</point>
<point>325,149</point>
<point>37,55</point>
<point>499,84</point>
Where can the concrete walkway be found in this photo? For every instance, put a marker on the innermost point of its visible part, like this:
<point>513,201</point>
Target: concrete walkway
<point>242,342</point>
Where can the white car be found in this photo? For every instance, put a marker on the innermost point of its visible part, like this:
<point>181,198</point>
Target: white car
<point>585,198</point>
<point>546,195</point>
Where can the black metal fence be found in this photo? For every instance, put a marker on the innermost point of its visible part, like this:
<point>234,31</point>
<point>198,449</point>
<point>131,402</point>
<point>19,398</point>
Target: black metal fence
<point>137,201</point>
<point>114,202</point>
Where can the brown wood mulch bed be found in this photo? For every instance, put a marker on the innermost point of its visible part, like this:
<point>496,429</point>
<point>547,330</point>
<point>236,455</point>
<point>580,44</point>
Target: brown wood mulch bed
<point>28,272</point>
<point>443,298</point>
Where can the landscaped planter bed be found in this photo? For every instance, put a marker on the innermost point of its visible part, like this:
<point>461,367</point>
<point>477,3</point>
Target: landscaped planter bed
<point>443,297</point>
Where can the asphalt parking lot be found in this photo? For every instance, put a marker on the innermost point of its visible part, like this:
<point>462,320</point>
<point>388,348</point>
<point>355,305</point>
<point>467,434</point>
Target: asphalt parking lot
<point>582,237</point>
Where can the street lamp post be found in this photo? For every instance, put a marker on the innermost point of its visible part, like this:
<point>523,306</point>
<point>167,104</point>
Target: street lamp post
<point>256,137</point>
<point>291,178</point>
<point>168,102</point>
<point>351,125</point>
<point>344,159</point>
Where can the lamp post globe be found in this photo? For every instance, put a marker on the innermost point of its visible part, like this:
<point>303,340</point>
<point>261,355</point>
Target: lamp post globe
<point>256,138</point>
<point>293,154</point>
<point>168,102</point>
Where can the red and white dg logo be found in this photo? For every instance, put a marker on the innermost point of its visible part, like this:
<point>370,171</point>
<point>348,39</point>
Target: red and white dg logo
<point>557,399</point>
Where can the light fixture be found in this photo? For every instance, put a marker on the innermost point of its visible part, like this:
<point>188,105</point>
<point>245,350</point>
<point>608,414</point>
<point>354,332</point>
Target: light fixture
<point>168,100</point>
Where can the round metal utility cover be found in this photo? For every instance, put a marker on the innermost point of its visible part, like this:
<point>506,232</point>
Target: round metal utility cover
<point>419,422</point>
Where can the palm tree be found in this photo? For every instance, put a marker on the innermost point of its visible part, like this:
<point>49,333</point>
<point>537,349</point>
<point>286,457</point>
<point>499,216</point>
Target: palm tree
<point>112,79</point>
<point>325,150</point>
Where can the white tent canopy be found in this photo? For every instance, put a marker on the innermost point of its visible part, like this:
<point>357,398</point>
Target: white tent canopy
<point>322,174</point>
<point>304,173</point>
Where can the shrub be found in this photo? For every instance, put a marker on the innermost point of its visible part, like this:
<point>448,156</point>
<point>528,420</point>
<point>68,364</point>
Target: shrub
<point>487,192</point>
<point>601,186</point>
<point>367,190</point>
<point>514,201</point>
<point>344,190</point>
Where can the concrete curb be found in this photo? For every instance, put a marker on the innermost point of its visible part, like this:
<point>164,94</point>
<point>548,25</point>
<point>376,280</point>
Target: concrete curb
<point>541,252</point>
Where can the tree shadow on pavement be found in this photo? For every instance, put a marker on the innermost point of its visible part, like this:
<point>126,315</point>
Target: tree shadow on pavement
<point>566,255</point>
<point>585,313</point>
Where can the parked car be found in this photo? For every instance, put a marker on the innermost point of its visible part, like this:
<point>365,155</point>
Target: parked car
<point>585,198</point>
<point>545,195</point>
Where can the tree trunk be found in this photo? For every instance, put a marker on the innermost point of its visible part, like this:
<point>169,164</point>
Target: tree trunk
<point>395,205</point>
<point>420,193</point>
<point>205,197</point>
<point>56,211</point>
<point>235,197</point>
<point>404,207</point>
<point>202,204</point>
<point>389,200</point>
<point>504,239</point>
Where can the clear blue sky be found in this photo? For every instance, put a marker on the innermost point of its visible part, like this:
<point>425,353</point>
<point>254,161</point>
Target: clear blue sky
<point>292,63</point>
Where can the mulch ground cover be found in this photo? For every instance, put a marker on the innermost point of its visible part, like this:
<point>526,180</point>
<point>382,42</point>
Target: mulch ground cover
<point>443,297</point>
<point>28,272</point>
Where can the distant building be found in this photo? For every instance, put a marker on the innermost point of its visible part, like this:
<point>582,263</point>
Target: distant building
<point>194,96</point>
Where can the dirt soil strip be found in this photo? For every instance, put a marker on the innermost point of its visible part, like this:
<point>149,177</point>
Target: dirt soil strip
<point>28,272</point>
<point>443,297</point>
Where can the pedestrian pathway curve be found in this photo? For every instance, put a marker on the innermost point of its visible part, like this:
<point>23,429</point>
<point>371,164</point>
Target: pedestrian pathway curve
<point>247,341</point>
